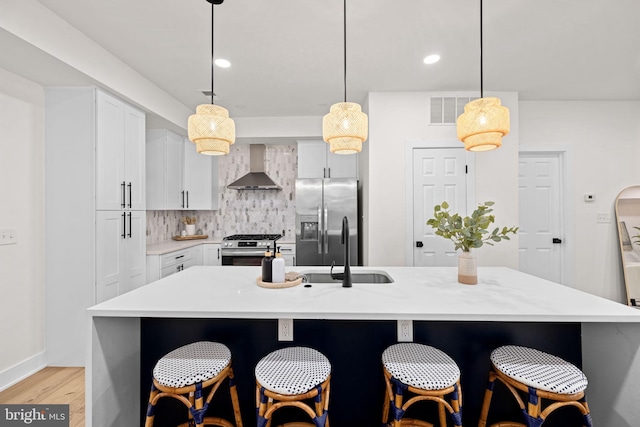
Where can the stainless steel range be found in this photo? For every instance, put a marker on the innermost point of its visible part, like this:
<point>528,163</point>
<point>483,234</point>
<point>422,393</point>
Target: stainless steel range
<point>246,249</point>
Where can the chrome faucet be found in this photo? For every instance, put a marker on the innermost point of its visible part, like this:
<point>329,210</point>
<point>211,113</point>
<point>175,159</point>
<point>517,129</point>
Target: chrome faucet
<point>345,276</point>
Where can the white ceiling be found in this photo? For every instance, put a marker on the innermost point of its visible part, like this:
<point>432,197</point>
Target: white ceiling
<point>287,55</point>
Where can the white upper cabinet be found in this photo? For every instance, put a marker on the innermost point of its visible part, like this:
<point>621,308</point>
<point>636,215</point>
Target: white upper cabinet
<point>120,131</point>
<point>316,161</point>
<point>200,179</point>
<point>178,178</point>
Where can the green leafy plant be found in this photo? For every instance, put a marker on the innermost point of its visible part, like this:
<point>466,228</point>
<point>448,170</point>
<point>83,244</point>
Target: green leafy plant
<point>468,232</point>
<point>636,237</point>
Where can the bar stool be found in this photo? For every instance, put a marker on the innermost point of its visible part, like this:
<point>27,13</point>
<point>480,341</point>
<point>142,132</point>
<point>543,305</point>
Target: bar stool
<point>288,377</point>
<point>428,374</point>
<point>185,372</point>
<point>541,376</point>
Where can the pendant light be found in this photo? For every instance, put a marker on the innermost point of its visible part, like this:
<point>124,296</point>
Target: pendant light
<point>345,127</point>
<point>211,128</point>
<point>484,121</point>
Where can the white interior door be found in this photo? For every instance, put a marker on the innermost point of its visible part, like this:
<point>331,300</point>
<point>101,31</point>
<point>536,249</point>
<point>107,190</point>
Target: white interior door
<point>540,219</point>
<point>439,174</point>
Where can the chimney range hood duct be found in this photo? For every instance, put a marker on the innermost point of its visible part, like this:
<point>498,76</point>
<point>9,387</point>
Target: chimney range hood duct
<point>256,179</point>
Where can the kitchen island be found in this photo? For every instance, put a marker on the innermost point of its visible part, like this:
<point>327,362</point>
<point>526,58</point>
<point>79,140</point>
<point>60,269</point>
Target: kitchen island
<point>352,326</point>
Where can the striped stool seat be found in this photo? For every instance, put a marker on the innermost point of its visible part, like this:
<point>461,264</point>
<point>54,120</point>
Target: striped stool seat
<point>541,376</point>
<point>185,372</point>
<point>426,372</point>
<point>289,376</point>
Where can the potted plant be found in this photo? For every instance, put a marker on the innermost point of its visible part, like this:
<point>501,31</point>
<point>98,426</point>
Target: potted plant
<point>468,233</point>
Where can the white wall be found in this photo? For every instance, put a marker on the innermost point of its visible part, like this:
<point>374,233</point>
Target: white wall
<point>397,117</point>
<point>22,208</point>
<point>605,141</point>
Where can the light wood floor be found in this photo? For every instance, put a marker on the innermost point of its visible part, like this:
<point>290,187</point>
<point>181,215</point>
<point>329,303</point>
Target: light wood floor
<point>51,386</point>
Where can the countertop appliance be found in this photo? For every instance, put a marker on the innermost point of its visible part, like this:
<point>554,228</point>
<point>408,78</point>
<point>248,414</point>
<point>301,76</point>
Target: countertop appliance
<point>320,206</point>
<point>246,249</point>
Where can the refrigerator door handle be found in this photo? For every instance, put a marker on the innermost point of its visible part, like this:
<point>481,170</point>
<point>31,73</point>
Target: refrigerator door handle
<point>320,228</point>
<point>326,229</point>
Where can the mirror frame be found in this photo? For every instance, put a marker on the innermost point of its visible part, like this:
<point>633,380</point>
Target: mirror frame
<point>626,243</point>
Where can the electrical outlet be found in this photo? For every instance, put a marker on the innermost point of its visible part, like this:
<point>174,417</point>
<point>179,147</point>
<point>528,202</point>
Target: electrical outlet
<point>603,218</point>
<point>405,330</point>
<point>285,329</point>
<point>8,236</point>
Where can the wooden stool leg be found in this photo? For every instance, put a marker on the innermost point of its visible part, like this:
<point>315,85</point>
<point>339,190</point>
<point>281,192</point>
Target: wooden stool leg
<point>488,393</point>
<point>151,407</point>
<point>456,404</point>
<point>533,408</point>
<point>234,399</point>
<point>442,414</point>
<point>397,421</point>
<point>261,407</point>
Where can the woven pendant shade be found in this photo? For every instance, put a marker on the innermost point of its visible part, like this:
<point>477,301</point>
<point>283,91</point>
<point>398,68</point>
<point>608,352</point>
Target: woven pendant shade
<point>483,124</point>
<point>345,128</point>
<point>212,130</point>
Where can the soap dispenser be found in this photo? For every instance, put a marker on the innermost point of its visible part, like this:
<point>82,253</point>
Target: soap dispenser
<point>277,267</point>
<point>267,266</point>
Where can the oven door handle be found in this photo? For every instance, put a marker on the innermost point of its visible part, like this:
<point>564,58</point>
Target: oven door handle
<point>243,252</point>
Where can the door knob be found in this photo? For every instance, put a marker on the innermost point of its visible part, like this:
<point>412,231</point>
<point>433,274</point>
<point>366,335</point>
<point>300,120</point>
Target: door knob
<point>419,244</point>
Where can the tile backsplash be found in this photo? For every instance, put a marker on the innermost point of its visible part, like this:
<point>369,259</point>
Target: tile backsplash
<point>241,211</point>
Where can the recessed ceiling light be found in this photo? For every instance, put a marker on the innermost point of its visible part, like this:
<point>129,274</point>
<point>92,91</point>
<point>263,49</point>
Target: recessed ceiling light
<point>222,63</point>
<point>432,59</point>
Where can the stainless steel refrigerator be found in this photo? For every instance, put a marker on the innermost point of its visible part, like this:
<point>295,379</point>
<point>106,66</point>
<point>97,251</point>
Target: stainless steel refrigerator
<point>320,206</point>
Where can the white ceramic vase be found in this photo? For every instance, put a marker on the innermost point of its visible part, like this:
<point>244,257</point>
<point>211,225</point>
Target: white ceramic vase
<point>190,229</point>
<point>467,268</point>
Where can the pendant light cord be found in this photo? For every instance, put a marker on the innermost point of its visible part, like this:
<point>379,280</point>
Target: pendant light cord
<point>481,59</point>
<point>212,45</point>
<point>344,41</point>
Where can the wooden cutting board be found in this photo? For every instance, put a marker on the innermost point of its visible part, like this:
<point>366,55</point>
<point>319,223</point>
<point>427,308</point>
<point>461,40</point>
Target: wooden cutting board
<point>194,237</point>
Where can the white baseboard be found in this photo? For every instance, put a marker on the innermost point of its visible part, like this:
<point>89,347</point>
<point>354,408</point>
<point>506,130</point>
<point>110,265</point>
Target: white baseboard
<point>22,370</point>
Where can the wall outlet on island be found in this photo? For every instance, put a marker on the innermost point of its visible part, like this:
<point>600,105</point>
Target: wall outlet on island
<point>405,330</point>
<point>285,329</point>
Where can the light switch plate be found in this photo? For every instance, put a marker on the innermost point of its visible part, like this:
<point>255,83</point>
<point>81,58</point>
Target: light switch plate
<point>8,236</point>
<point>603,218</point>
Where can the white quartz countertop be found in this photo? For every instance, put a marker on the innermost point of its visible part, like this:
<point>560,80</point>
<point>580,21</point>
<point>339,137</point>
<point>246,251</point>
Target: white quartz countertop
<point>418,293</point>
<point>167,246</point>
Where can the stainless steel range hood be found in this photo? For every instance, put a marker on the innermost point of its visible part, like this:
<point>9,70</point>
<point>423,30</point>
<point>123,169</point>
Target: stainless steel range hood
<point>256,179</point>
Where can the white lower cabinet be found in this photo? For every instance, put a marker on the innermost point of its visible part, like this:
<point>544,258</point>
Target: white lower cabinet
<point>211,253</point>
<point>160,266</point>
<point>120,243</point>
<point>288,251</point>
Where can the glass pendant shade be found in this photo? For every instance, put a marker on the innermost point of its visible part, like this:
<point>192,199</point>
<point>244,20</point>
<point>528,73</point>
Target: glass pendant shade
<point>345,128</point>
<point>483,124</point>
<point>212,130</point>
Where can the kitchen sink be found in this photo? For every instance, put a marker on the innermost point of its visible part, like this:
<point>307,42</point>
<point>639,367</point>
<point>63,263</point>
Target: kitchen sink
<point>368,277</point>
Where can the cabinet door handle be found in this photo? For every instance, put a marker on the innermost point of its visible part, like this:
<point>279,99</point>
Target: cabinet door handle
<point>218,253</point>
<point>130,225</point>
<point>124,225</point>
<point>123,204</point>
<point>328,172</point>
<point>178,257</point>
<point>183,200</point>
<point>187,200</point>
<point>129,185</point>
